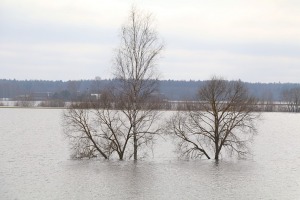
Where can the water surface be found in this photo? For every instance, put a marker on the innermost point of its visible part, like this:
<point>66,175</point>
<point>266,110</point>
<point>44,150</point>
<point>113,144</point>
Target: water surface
<point>35,164</point>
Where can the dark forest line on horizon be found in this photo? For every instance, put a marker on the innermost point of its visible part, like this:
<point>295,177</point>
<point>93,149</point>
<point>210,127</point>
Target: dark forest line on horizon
<point>176,80</point>
<point>170,89</point>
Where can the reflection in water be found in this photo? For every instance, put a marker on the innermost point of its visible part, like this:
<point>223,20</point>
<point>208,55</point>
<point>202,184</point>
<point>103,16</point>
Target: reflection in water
<point>35,164</point>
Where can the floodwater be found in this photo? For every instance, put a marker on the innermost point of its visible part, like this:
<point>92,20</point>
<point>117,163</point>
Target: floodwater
<point>35,164</point>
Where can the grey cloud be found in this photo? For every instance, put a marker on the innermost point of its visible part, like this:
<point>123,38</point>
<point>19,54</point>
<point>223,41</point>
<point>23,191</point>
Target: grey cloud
<point>31,32</point>
<point>252,48</point>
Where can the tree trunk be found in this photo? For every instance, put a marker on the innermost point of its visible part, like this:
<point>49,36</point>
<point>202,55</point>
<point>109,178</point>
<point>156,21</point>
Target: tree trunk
<point>121,154</point>
<point>217,150</point>
<point>217,156</point>
<point>135,146</point>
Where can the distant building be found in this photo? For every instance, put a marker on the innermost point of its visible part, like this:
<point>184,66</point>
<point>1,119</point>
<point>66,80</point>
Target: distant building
<point>96,96</point>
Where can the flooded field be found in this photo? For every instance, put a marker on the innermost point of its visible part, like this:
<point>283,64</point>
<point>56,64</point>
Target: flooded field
<point>35,164</point>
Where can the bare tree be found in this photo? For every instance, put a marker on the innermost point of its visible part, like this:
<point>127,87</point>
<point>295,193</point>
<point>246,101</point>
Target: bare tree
<point>222,117</point>
<point>134,68</point>
<point>25,101</point>
<point>126,112</point>
<point>292,98</point>
<point>266,101</point>
<point>100,128</point>
<point>94,128</point>
<point>82,132</point>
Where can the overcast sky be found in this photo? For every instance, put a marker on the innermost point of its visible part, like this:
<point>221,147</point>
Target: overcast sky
<point>251,40</point>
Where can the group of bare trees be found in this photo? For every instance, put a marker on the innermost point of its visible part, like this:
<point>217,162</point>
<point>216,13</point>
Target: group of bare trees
<point>126,112</point>
<point>125,119</point>
<point>291,97</point>
<point>289,101</point>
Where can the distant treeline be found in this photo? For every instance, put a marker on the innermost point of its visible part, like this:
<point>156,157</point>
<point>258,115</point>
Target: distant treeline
<point>170,89</point>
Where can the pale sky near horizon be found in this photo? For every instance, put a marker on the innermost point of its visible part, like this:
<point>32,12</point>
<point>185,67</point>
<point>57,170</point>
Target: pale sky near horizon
<point>251,40</point>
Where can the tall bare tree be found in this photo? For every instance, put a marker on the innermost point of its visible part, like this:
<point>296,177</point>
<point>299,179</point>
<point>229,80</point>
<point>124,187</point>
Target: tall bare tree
<point>222,117</point>
<point>135,69</point>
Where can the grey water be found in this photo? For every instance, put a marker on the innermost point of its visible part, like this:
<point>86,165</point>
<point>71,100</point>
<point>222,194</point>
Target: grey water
<point>35,164</point>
